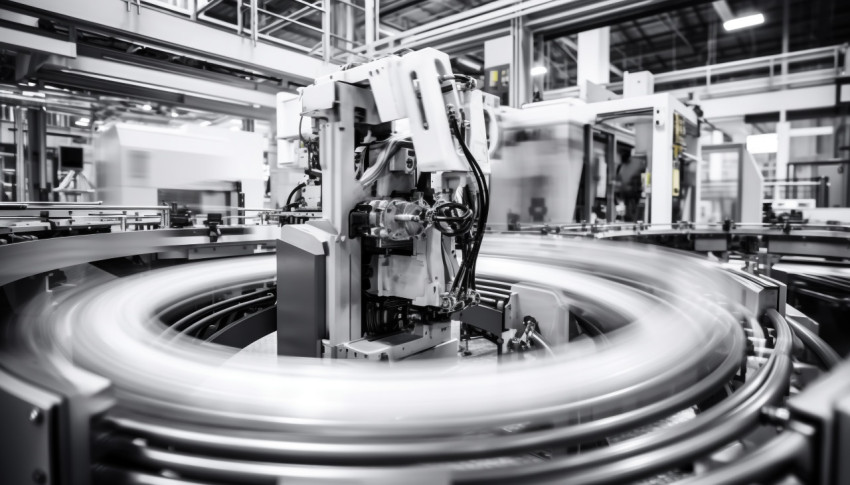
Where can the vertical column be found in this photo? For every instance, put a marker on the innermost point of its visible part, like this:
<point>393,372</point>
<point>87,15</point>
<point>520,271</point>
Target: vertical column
<point>587,176</point>
<point>520,81</point>
<point>610,162</point>
<point>20,162</point>
<point>327,26</point>
<point>661,164</point>
<point>37,143</point>
<point>594,52</point>
<point>783,148</point>
<point>2,156</point>
<point>371,12</point>
<point>786,20</point>
<point>340,192</point>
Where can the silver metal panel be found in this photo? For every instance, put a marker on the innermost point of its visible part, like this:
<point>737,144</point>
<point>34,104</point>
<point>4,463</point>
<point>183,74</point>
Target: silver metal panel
<point>178,83</point>
<point>711,244</point>
<point>27,421</point>
<point>301,320</point>
<point>28,41</point>
<point>29,258</point>
<point>838,249</point>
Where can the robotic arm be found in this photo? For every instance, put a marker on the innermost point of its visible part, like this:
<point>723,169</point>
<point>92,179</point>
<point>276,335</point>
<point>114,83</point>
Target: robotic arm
<point>403,154</point>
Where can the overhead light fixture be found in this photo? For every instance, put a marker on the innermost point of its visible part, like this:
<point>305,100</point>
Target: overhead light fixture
<point>539,70</point>
<point>743,22</point>
<point>174,114</point>
<point>256,106</point>
<point>84,120</point>
<point>206,123</point>
<point>83,123</point>
<point>33,94</point>
<point>766,143</point>
<point>147,107</point>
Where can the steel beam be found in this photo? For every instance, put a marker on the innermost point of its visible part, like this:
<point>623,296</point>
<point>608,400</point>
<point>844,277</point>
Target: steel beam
<point>30,42</point>
<point>145,77</point>
<point>165,30</point>
<point>784,100</point>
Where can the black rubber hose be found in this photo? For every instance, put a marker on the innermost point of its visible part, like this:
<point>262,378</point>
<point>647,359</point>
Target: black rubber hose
<point>821,349</point>
<point>297,188</point>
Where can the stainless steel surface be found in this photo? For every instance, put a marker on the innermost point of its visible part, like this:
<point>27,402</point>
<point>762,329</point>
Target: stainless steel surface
<point>30,258</point>
<point>672,336</point>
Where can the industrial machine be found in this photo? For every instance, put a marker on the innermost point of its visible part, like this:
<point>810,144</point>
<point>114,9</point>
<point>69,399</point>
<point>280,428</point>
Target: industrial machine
<point>628,160</point>
<point>660,351</point>
<point>403,210</point>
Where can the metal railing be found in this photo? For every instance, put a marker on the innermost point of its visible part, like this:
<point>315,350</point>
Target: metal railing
<point>831,66</point>
<point>259,23</point>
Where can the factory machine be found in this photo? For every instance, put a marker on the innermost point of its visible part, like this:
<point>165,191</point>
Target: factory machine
<point>403,211</point>
<point>622,160</point>
<point>660,351</point>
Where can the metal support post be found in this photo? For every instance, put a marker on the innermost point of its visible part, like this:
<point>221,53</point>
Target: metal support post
<point>255,19</point>
<point>327,26</point>
<point>20,161</point>
<point>587,174</point>
<point>661,165</point>
<point>783,149</point>
<point>786,21</point>
<point>594,52</point>
<point>520,81</point>
<point>239,20</point>
<point>37,163</point>
<point>3,156</point>
<point>371,26</point>
<point>610,161</point>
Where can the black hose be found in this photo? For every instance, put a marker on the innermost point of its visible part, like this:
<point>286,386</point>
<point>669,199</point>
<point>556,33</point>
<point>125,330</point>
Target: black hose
<point>289,202</point>
<point>821,349</point>
<point>465,277</point>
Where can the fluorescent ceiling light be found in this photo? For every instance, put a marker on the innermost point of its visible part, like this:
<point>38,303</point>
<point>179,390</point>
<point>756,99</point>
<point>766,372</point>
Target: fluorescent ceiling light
<point>743,22</point>
<point>539,70</point>
<point>147,107</point>
<point>84,120</point>
<point>174,114</point>
<point>767,143</point>
<point>206,123</point>
<point>33,94</point>
<point>81,123</point>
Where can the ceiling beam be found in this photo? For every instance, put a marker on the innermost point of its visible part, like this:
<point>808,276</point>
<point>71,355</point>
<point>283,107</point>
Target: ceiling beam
<point>157,28</point>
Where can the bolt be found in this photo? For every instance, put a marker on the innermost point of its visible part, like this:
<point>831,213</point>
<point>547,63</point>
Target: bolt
<point>38,476</point>
<point>35,416</point>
